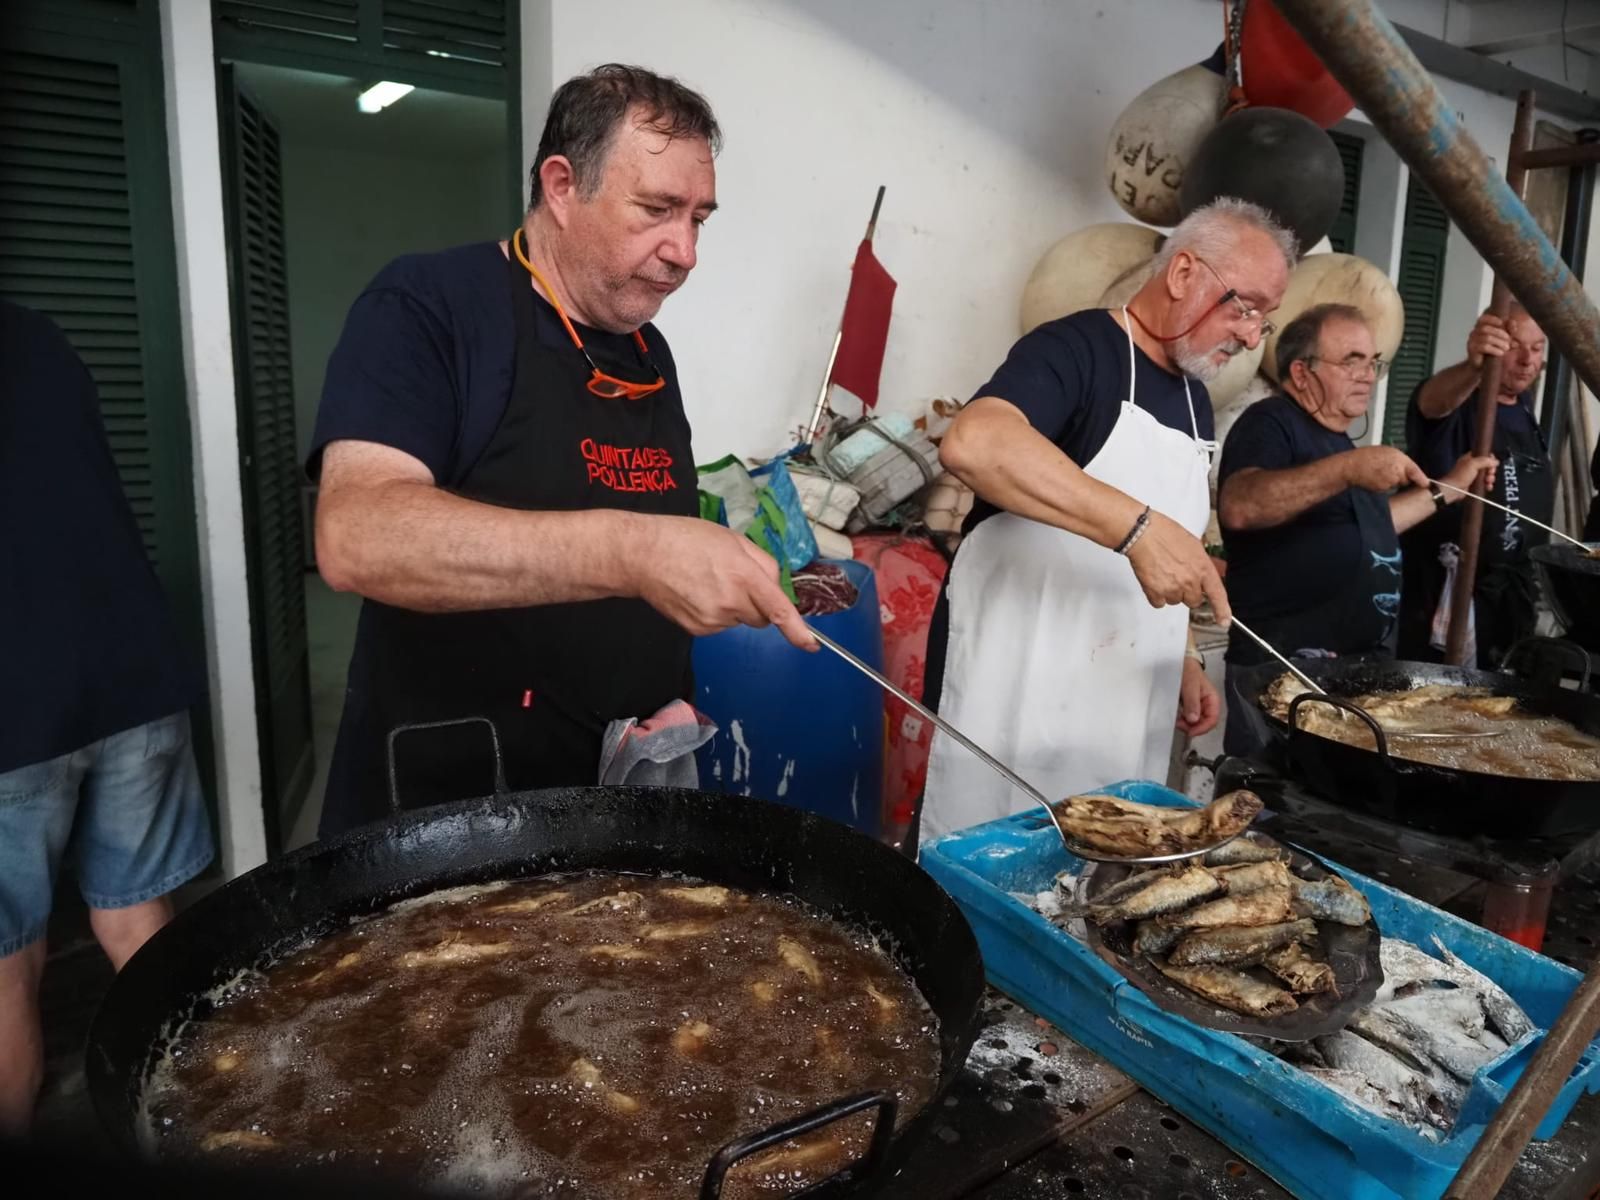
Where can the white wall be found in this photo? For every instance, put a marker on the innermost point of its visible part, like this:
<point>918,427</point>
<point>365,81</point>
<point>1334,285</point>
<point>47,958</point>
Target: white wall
<point>987,121</point>
<point>347,213</point>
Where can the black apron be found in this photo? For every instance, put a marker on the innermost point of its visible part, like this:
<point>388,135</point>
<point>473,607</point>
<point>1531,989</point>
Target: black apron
<point>1358,617</point>
<point>1506,594</point>
<point>550,677</point>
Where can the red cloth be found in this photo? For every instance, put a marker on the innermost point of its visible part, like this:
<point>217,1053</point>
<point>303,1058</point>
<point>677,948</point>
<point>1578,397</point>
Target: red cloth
<point>908,572</point>
<point>865,328</point>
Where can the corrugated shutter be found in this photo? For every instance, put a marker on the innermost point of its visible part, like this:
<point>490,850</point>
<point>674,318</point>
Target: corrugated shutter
<point>1351,151</point>
<point>264,384</point>
<point>458,45</point>
<point>1419,282</point>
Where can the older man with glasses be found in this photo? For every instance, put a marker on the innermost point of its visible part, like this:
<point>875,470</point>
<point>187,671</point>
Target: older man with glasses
<point>1058,643</point>
<point>1310,520</point>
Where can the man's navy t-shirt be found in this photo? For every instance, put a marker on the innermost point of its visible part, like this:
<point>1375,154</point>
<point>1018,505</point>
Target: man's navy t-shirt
<point>1295,567</point>
<point>1070,377</point>
<point>427,355</point>
<point>88,642</point>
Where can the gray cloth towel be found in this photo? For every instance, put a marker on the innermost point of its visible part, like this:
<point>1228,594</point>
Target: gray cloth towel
<point>656,752</point>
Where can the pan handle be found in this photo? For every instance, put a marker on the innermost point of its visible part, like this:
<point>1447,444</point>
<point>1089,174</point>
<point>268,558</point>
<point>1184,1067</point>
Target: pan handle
<point>418,726</point>
<point>882,1130</point>
<point>1338,702</point>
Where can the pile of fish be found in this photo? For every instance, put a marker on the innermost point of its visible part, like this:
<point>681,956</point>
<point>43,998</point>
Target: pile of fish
<point>1202,925</point>
<point>1411,1054</point>
<point>1129,829</point>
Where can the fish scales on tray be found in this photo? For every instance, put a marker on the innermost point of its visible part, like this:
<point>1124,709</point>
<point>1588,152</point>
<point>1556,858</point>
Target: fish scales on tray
<point>1242,946</point>
<point>1268,906</point>
<point>1112,825</point>
<point>1305,975</point>
<point>1231,989</point>
<point>1173,890</point>
<point>1330,899</point>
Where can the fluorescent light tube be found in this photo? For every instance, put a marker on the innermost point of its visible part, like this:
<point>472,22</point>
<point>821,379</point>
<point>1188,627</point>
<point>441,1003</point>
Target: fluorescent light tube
<point>380,95</point>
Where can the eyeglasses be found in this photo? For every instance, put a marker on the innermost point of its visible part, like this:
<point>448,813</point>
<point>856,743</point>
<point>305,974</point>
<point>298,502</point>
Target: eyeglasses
<point>1249,314</point>
<point>1354,365</point>
<point>607,387</point>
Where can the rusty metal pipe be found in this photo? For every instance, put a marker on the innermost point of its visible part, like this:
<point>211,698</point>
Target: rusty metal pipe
<point>1504,1137</point>
<point>1371,61</point>
<point>1582,154</point>
<point>1455,650</point>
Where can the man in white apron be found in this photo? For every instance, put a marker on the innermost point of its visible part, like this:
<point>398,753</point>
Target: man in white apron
<point>1059,641</point>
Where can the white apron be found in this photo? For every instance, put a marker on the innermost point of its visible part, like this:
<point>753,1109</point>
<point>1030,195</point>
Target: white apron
<point>1056,662</point>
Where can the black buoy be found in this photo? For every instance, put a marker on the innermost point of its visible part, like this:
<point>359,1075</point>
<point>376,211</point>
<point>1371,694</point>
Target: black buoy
<point>1271,157</point>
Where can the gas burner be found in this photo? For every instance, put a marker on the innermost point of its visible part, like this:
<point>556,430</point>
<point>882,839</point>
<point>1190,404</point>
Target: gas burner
<point>1554,662</point>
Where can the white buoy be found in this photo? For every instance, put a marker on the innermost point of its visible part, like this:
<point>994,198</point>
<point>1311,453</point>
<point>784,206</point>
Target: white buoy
<point>1075,272</point>
<point>1341,279</point>
<point>1156,137</point>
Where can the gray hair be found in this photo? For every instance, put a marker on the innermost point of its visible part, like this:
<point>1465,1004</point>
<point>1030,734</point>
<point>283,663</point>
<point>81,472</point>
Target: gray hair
<point>1212,231</point>
<point>1300,337</point>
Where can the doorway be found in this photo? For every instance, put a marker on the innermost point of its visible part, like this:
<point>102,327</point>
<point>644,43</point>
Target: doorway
<point>321,196</point>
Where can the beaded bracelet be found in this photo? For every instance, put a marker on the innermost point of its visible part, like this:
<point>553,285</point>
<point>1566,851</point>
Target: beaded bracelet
<point>1136,532</point>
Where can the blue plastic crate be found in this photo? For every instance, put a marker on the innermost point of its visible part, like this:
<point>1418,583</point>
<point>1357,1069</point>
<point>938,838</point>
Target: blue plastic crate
<point>1305,1135</point>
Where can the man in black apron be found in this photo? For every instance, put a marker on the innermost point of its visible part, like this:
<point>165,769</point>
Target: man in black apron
<point>1310,519</point>
<point>1442,424</point>
<point>506,472</point>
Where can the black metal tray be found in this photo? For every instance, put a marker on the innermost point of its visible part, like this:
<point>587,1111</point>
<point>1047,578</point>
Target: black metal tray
<point>1352,952</point>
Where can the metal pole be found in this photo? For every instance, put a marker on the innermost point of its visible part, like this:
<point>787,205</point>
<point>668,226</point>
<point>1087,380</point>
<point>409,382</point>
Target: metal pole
<point>1373,64</point>
<point>1504,1138</point>
<point>1455,646</point>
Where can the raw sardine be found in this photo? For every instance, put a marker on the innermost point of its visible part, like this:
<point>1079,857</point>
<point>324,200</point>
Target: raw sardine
<point>1305,975</point>
<point>1330,899</point>
<point>1353,1086</point>
<point>1408,1090</point>
<point>1506,1014</point>
<point>1112,825</point>
<point>1405,964</point>
<point>1231,989</point>
<point>1266,907</point>
<point>1173,891</point>
<point>1245,878</point>
<point>1243,946</point>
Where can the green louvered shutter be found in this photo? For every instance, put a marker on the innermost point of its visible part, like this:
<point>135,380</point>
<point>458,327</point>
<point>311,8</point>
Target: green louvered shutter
<point>264,387</point>
<point>1351,150</point>
<point>1420,281</point>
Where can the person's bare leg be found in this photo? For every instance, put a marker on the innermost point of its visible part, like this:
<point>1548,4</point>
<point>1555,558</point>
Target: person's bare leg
<point>21,1039</point>
<point>121,931</point>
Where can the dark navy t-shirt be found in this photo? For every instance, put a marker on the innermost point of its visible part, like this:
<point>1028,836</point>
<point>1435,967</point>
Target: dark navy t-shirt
<point>1070,377</point>
<point>1291,569</point>
<point>88,643</point>
<point>426,358</point>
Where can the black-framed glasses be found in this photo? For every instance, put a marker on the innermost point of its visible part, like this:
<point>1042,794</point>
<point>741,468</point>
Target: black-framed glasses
<point>1353,365</point>
<point>1248,313</point>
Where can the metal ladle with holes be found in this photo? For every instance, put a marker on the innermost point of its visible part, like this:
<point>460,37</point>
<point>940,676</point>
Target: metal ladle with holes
<point>1073,847</point>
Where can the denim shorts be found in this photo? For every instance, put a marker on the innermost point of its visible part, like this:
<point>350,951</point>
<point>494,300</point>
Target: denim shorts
<point>126,810</point>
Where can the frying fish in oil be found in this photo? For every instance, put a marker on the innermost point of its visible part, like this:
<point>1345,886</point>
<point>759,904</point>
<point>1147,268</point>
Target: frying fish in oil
<point>1524,746</point>
<point>1242,946</point>
<point>1231,989</point>
<point>1168,893</point>
<point>1330,899</point>
<point>1112,825</point>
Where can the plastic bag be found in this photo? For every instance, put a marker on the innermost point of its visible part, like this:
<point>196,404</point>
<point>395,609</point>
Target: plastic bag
<point>731,497</point>
<point>799,543</point>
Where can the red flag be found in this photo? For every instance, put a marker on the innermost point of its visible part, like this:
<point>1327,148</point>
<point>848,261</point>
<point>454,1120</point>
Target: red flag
<point>864,332</point>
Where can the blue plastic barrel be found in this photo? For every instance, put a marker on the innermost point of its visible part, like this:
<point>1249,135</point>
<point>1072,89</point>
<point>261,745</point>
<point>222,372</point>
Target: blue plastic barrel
<point>797,728</point>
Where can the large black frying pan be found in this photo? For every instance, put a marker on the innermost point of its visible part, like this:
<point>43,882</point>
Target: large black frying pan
<point>729,840</point>
<point>1573,579</point>
<point>1441,799</point>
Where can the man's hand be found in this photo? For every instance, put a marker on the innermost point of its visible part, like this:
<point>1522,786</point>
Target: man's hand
<point>1173,567</point>
<point>1382,469</point>
<point>1467,468</point>
<point>1199,706</point>
<point>707,578</point>
<point>1489,336</point>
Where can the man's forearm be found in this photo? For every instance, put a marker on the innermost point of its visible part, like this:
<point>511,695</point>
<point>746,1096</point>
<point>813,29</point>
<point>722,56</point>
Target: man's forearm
<point>995,452</point>
<point>1411,508</point>
<point>1448,390</point>
<point>415,546</point>
<point>1260,499</point>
